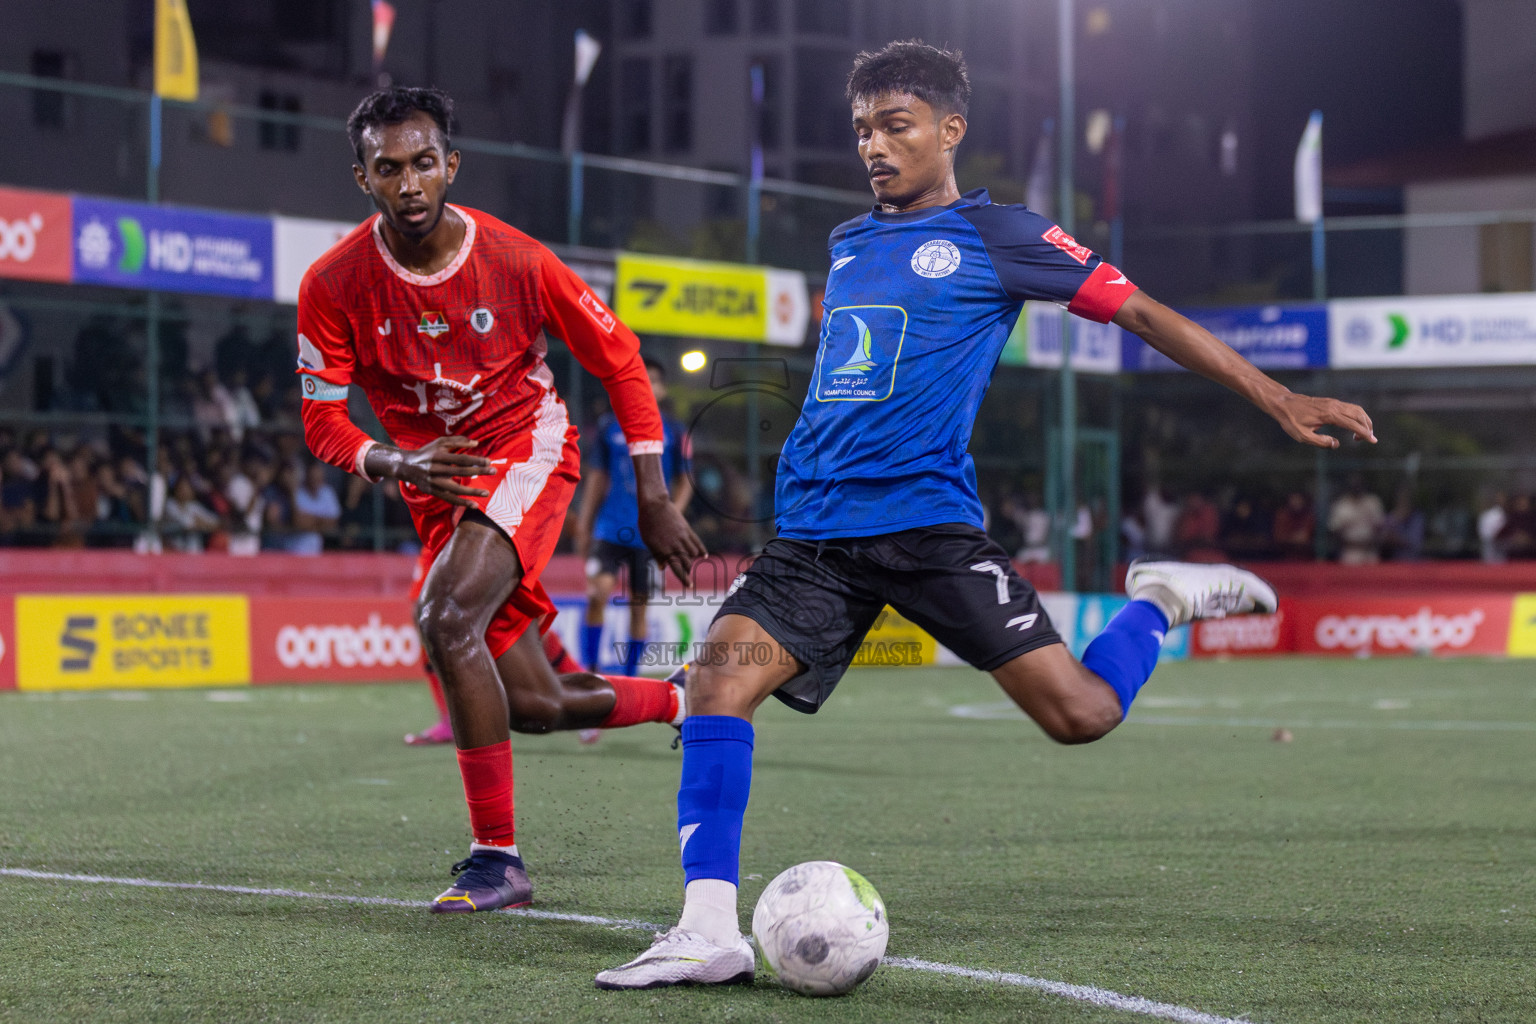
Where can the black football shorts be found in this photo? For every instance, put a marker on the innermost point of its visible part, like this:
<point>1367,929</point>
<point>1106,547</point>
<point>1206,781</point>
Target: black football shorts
<point>819,598</point>
<point>633,566</point>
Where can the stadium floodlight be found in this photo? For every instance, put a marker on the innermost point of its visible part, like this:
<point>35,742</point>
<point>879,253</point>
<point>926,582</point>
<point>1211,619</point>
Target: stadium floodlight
<point>694,361</point>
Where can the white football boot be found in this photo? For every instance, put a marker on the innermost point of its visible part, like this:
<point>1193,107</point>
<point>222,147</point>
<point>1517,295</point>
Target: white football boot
<point>1185,591</point>
<point>679,957</point>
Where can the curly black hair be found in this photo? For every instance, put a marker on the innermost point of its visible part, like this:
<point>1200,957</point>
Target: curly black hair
<point>396,105</point>
<point>937,77</point>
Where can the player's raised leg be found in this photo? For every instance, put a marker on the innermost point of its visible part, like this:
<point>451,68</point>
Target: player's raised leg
<point>1078,702</point>
<point>706,947</point>
<point>542,700</point>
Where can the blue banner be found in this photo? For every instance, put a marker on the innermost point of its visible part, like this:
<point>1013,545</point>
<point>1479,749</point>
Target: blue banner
<point>135,245</point>
<point>1269,337</point>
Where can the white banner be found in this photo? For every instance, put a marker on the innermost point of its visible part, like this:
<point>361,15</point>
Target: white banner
<point>1095,347</point>
<point>297,242</point>
<point>1448,330</point>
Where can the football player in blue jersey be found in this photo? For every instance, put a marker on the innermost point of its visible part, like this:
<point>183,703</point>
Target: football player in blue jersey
<point>876,498</point>
<point>608,525</point>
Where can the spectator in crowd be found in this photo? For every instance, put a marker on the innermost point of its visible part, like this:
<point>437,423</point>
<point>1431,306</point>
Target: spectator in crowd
<point>1356,518</point>
<point>1490,523</point>
<point>1195,531</point>
<point>1248,534</point>
<point>316,509</point>
<point>18,498</point>
<point>277,507</point>
<point>1403,532</point>
<point>1517,537</point>
<point>186,523</point>
<point>213,408</point>
<point>1160,514</point>
<point>1294,526</point>
<point>1133,536</point>
<point>242,489</point>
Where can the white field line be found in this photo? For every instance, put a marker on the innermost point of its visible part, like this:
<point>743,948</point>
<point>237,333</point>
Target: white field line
<point>1081,993</point>
<point>1008,711</point>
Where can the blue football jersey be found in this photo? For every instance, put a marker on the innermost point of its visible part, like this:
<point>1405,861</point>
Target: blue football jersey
<point>918,307</point>
<point>618,519</point>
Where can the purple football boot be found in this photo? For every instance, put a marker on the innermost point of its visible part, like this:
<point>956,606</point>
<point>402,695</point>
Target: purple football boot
<point>488,879</point>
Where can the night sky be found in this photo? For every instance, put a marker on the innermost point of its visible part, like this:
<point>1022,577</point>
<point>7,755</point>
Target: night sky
<point>1385,73</point>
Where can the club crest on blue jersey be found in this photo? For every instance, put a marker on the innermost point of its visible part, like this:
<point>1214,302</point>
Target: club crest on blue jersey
<point>860,347</point>
<point>938,257</point>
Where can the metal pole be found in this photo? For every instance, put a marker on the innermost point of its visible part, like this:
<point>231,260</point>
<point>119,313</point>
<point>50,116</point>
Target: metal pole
<point>152,318</point>
<point>1065,215</point>
<point>1319,261</point>
<point>573,212</point>
<point>754,469</point>
<point>755,167</point>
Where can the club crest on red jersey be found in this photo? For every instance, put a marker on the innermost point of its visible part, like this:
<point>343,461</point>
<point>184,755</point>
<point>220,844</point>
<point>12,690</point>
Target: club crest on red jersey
<point>432,324</point>
<point>482,320</point>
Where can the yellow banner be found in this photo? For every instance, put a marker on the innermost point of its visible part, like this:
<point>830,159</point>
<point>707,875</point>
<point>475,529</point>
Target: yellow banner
<point>96,641</point>
<point>691,298</point>
<point>1522,627</point>
<point>896,640</point>
<point>175,51</point>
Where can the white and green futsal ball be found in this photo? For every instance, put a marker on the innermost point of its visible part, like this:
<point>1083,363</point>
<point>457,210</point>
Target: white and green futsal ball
<point>820,928</point>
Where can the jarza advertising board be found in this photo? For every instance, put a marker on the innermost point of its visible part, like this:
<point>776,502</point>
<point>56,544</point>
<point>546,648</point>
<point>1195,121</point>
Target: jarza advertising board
<point>701,299</point>
<point>94,641</point>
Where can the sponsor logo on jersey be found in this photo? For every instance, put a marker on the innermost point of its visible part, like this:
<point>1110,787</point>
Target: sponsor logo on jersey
<point>1067,244</point>
<point>938,257</point>
<point>447,399</point>
<point>861,368</point>
<point>860,360</point>
<point>432,324</point>
<point>594,308</point>
<point>482,320</point>
<point>385,328</point>
<point>840,264</point>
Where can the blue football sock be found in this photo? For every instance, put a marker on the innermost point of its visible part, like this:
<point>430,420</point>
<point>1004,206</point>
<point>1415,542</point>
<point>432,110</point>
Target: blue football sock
<point>1125,654</point>
<point>712,797</point>
<point>633,653</point>
<point>591,646</point>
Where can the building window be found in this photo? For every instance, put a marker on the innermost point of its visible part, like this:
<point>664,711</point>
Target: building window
<point>821,113</point>
<point>720,18</point>
<point>635,19</point>
<point>823,17</point>
<point>51,110</point>
<point>635,105</point>
<point>279,135</point>
<point>677,104</point>
<point>765,16</point>
<point>771,124</point>
<point>1505,257</point>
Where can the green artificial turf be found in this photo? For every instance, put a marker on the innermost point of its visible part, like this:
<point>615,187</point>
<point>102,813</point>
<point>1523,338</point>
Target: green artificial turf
<point>1379,867</point>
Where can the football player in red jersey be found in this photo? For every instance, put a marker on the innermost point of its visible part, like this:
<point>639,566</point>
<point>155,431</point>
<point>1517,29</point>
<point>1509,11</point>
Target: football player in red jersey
<point>439,314</point>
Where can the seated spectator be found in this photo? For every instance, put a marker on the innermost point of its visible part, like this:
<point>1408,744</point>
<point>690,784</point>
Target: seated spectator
<point>277,507</point>
<point>213,408</point>
<point>242,489</point>
<point>1195,531</point>
<point>316,508</point>
<point>1248,534</point>
<point>1517,538</point>
<point>18,498</point>
<point>187,522</point>
<point>1294,526</point>
<point>1403,532</point>
<point>1356,519</point>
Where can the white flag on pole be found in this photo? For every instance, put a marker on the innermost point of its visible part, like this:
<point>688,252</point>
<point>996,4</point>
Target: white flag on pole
<point>1037,193</point>
<point>1309,171</point>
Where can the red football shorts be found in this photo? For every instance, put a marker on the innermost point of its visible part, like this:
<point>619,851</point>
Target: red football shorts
<point>531,482</point>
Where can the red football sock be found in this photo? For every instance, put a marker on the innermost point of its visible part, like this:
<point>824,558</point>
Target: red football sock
<point>487,773</point>
<point>558,656</point>
<point>640,700</point>
<point>436,687</point>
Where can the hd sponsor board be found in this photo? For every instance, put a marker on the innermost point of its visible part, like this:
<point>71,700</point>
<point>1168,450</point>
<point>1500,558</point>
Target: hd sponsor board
<point>166,248</point>
<point>98,641</point>
<point>702,299</point>
<point>1452,330</point>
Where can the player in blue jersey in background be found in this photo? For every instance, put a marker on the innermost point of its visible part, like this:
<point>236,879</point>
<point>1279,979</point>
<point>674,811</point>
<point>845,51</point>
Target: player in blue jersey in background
<point>876,498</point>
<point>608,530</point>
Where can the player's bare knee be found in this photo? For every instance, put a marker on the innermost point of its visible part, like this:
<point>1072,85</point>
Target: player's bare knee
<point>445,624</point>
<point>1083,722</point>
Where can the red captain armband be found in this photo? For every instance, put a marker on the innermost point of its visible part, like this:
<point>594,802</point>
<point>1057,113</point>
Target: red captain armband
<point>1102,295</point>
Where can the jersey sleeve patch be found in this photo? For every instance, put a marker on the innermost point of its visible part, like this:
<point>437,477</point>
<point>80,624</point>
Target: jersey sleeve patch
<point>318,389</point>
<point>1102,295</point>
<point>309,355</point>
<point>1067,244</point>
<point>593,307</point>
<point>647,447</point>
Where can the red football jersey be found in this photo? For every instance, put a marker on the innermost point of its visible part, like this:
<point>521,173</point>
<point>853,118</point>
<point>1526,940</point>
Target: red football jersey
<point>457,352</point>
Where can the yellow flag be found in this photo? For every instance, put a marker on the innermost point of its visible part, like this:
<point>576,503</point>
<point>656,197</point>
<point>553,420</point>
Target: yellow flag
<point>175,51</point>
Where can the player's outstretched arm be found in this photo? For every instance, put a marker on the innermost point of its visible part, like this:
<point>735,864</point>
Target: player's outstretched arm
<point>666,533</point>
<point>1195,348</point>
<point>435,468</point>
